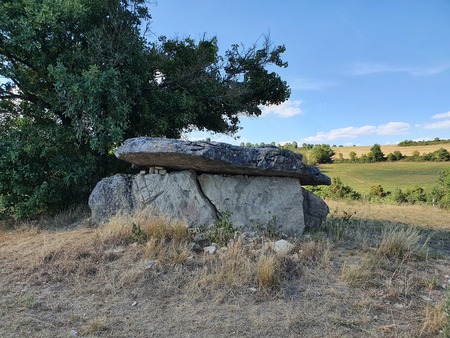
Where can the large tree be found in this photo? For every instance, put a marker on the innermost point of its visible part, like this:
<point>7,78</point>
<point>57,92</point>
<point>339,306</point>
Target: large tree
<point>81,77</point>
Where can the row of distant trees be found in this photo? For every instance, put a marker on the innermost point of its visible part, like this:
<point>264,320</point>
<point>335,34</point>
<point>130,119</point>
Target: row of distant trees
<point>436,140</point>
<point>438,195</point>
<point>376,155</point>
<point>323,153</point>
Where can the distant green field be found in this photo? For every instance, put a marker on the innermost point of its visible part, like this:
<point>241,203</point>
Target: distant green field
<point>391,175</point>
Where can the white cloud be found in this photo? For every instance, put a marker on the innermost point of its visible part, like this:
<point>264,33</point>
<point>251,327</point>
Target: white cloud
<point>311,84</point>
<point>286,109</point>
<point>374,68</point>
<point>391,128</point>
<point>438,125</point>
<point>442,116</point>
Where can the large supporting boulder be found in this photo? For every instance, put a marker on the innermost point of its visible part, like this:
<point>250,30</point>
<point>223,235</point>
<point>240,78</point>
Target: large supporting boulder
<point>220,158</point>
<point>314,208</point>
<point>257,202</point>
<point>175,196</point>
<point>112,195</point>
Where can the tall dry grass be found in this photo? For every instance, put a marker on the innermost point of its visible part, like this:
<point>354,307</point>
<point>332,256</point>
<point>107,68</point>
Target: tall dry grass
<point>355,276</point>
<point>423,216</point>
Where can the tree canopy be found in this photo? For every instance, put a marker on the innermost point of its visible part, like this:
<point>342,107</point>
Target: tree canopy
<point>81,77</point>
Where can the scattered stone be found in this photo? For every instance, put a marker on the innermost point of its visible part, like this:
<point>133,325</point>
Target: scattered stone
<point>222,158</point>
<point>399,306</point>
<point>282,246</point>
<point>73,333</point>
<point>150,264</point>
<point>201,238</point>
<point>426,298</point>
<point>196,248</point>
<point>210,249</point>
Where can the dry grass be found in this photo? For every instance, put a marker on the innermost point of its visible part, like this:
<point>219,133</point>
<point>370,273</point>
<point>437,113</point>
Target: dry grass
<point>435,316</point>
<point>355,277</point>
<point>401,242</point>
<point>423,216</point>
<point>95,326</point>
<point>119,229</point>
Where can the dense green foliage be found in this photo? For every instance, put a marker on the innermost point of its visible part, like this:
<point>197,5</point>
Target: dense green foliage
<point>320,154</point>
<point>81,77</point>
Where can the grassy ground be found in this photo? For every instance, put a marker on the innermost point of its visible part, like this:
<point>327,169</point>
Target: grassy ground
<point>360,276</point>
<point>386,149</point>
<point>391,175</point>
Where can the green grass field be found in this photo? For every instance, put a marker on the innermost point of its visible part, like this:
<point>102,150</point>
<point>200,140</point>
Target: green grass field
<point>391,175</point>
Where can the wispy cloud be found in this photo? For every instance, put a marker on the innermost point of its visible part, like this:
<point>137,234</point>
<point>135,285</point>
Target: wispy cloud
<point>311,84</point>
<point>374,68</point>
<point>442,115</point>
<point>438,125</point>
<point>391,128</point>
<point>443,124</point>
<point>286,109</point>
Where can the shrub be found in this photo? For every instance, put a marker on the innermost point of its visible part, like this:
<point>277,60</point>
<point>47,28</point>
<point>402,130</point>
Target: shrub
<point>415,194</point>
<point>440,193</point>
<point>339,190</point>
<point>222,230</point>
<point>395,156</point>
<point>377,191</point>
<point>398,196</point>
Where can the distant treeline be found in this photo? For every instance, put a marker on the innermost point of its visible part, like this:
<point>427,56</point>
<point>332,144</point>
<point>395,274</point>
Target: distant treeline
<point>323,153</point>
<point>409,143</point>
<point>376,155</point>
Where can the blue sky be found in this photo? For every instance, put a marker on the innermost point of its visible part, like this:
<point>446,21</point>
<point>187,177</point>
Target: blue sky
<point>361,72</point>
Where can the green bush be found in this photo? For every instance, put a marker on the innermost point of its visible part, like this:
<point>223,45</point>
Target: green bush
<point>398,196</point>
<point>377,192</point>
<point>222,230</point>
<point>337,190</point>
<point>415,194</point>
<point>440,193</point>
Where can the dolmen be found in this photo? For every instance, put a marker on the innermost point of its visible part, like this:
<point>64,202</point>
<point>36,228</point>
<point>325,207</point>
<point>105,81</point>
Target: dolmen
<point>196,181</point>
